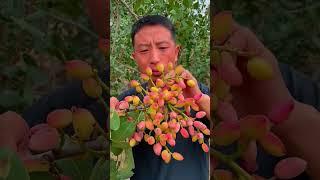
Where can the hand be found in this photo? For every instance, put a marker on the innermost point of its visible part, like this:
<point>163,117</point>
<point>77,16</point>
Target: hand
<point>251,96</point>
<point>300,133</point>
<point>14,133</point>
<point>98,11</point>
<point>191,92</point>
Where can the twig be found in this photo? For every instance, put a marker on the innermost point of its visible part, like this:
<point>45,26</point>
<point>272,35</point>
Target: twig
<point>234,166</point>
<point>101,83</point>
<point>67,21</point>
<point>130,10</point>
<point>72,149</point>
<point>315,6</point>
<point>234,51</point>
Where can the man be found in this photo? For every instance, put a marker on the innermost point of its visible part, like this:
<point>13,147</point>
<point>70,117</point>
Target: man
<point>153,40</point>
<point>300,133</point>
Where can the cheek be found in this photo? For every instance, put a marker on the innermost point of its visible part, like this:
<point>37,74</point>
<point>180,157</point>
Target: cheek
<point>142,64</point>
<point>170,57</point>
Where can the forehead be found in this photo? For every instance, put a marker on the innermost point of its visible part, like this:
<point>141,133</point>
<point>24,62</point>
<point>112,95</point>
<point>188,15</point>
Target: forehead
<point>155,33</point>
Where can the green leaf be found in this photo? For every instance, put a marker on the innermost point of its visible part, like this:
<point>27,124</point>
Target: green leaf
<point>9,98</point>
<point>36,75</point>
<point>125,171</point>
<point>187,3</point>
<point>41,176</point>
<point>14,8</point>
<point>137,4</point>
<point>10,71</point>
<point>39,35</point>
<point>17,170</point>
<point>100,170</point>
<point>129,159</point>
<point>77,169</point>
<point>27,94</point>
<point>5,165</point>
<point>196,5</point>
<point>113,170</point>
<point>116,151</point>
<point>123,175</point>
<point>122,145</point>
<point>127,128</point>
<point>114,120</point>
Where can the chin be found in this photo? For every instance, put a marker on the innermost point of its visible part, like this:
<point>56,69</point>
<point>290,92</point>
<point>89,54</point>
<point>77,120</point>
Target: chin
<point>154,78</point>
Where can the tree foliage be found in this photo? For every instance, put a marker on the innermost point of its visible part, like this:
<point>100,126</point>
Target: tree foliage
<point>36,38</point>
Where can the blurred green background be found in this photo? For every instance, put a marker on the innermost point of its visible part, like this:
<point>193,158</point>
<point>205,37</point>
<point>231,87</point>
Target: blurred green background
<point>289,28</point>
<point>36,38</point>
<point>191,20</point>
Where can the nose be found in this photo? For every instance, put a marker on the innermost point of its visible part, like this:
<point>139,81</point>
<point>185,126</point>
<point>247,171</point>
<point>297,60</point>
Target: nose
<point>154,56</point>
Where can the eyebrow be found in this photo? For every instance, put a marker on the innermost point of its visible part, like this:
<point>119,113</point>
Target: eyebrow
<point>162,42</point>
<point>140,46</point>
<point>148,44</point>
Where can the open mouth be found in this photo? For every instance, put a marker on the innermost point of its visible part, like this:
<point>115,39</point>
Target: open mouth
<point>156,73</point>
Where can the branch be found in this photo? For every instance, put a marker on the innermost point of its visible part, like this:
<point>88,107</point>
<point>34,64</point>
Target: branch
<point>234,51</point>
<point>130,10</point>
<point>71,149</point>
<point>311,7</point>
<point>234,166</point>
<point>68,21</point>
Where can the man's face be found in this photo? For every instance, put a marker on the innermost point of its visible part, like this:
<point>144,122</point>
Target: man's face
<point>152,45</point>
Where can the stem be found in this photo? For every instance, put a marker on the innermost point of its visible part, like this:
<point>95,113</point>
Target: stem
<point>134,109</point>
<point>152,82</point>
<point>62,139</point>
<point>103,102</point>
<point>234,166</point>
<point>68,21</point>
<point>72,149</point>
<point>239,152</point>
<point>101,83</point>
<point>97,153</point>
<point>130,10</point>
<point>179,111</point>
<point>233,50</point>
<point>144,91</point>
<point>168,149</point>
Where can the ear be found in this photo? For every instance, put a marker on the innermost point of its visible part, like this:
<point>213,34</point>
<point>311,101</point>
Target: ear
<point>177,53</point>
<point>133,55</point>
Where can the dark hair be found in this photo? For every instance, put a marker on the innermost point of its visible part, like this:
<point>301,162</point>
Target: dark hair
<point>152,20</point>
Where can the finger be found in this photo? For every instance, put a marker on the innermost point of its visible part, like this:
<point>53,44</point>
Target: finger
<point>191,77</point>
<point>187,75</point>
<point>13,125</point>
<point>43,138</point>
<point>194,90</point>
<point>244,39</point>
<point>228,71</point>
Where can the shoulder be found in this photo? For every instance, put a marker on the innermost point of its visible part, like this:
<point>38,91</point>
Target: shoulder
<point>204,89</point>
<point>130,92</point>
<point>300,86</point>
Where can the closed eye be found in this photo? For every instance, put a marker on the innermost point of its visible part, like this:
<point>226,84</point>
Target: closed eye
<point>145,50</point>
<point>163,47</point>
